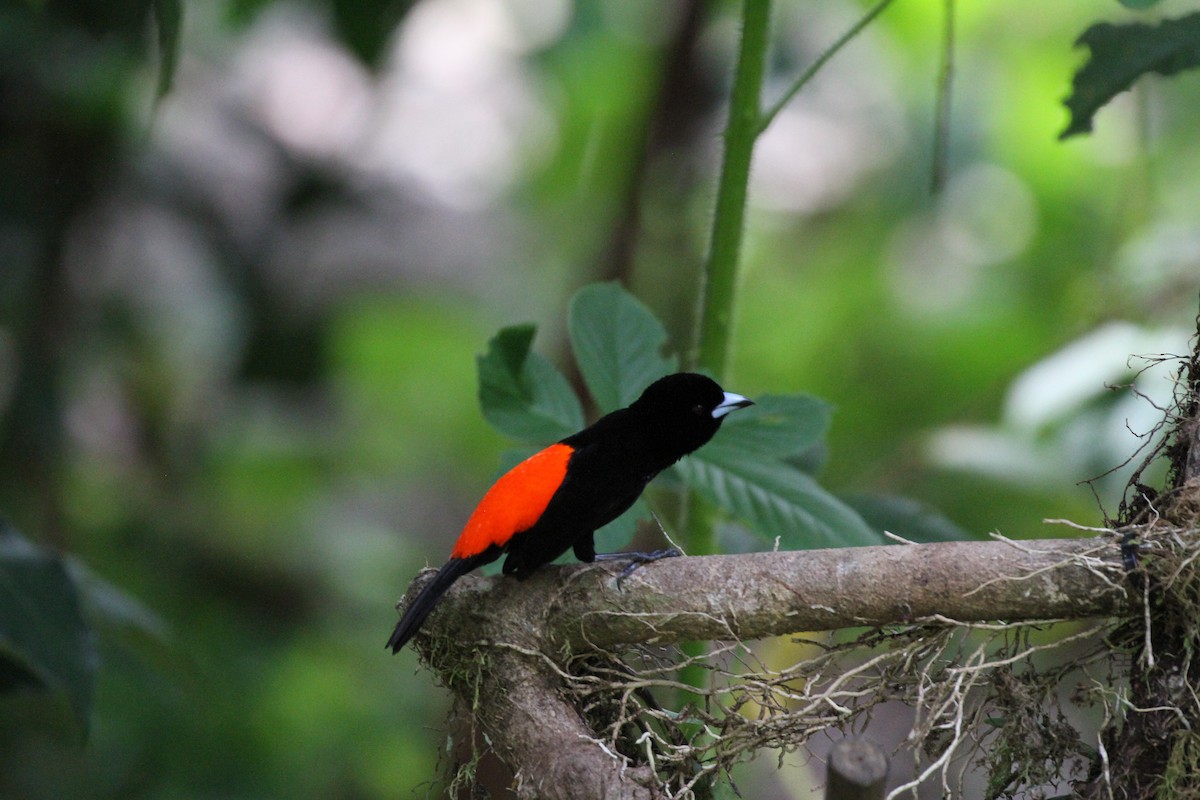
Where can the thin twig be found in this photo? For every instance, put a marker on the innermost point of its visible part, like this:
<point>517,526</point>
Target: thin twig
<point>945,85</point>
<point>769,115</point>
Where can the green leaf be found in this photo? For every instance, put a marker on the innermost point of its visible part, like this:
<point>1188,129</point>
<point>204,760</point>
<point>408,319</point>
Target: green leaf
<point>521,393</point>
<point>905,517</point>
<point>774,499</point>
<point>1139,5</point>
<point>513,456</point>
<point>168,17</point>
<point>616,535</point>
<point>618,344</point>
<point>811,461</point>
<point>129,628</point>
<point>777,426</point>
<point>1123,53</point>
<point>44,640</point>
<point>110,605</point>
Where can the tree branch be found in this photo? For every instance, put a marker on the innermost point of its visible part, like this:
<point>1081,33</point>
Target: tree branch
<point>756,595</point>
<point>498,644</point>
<point>515,696</point>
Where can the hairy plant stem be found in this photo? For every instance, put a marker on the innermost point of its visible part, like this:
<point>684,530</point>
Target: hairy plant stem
<point>769,115</point>
<point>747,121</point>
<point>720,269</point>
<point>721,265</point>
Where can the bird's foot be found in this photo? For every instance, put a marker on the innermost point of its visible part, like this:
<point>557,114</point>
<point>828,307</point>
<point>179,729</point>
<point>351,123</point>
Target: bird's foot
<point>637,559</point>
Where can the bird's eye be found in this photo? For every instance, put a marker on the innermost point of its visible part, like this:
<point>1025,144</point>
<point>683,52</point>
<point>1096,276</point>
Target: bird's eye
<point>698,410</point>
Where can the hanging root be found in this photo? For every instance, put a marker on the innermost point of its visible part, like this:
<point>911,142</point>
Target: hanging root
<point>998,704</point>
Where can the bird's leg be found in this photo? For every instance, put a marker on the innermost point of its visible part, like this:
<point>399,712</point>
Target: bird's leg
<point>637,559</point>
<point>585,551</point>
<point>585,548</point>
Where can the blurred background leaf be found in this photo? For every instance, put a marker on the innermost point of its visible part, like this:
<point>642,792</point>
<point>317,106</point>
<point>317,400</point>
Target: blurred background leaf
<point>1121,54</point>
<point>44,641</point>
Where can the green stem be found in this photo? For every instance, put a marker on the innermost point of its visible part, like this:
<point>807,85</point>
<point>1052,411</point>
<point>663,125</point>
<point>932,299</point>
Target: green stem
<point>720,271</point>
<point>747,121</point>
<point>815,67</point>
<point>941,133</point>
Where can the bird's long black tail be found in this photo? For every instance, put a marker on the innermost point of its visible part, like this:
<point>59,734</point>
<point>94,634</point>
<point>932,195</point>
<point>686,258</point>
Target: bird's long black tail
<point>428,598</point>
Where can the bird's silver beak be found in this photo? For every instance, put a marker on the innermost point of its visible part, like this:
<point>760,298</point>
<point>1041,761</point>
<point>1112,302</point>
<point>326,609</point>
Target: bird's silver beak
<point>731,402</point>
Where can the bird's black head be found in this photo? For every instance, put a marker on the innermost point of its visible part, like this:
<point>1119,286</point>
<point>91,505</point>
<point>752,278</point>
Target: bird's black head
<point>684,410</point>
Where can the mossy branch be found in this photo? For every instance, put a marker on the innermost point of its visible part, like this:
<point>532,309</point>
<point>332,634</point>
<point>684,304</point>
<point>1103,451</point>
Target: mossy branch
<point>756,595</point>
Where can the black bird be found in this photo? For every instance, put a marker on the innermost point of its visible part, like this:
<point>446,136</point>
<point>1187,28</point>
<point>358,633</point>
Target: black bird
<point>556,499</point>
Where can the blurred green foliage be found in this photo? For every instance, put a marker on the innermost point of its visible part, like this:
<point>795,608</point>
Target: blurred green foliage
<point>45,644</point>
<point>238,327</point>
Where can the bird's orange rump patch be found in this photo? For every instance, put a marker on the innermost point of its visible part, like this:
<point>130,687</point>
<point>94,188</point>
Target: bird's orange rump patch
<point>515,501</point>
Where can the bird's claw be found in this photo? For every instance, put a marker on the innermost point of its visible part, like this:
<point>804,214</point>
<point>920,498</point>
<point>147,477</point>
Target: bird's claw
<point>637,559</point>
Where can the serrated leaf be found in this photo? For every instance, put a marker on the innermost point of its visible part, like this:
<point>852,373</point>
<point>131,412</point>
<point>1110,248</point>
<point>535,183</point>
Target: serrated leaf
<point>811,461</point>
<point>168,18</point>
<point>905,517</point>
<point>777,426</point>
<point>1120,54</point>
<point>44,640</point>
<point>618,344</point>
<point>775,499</point>
<point>521,393</point>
